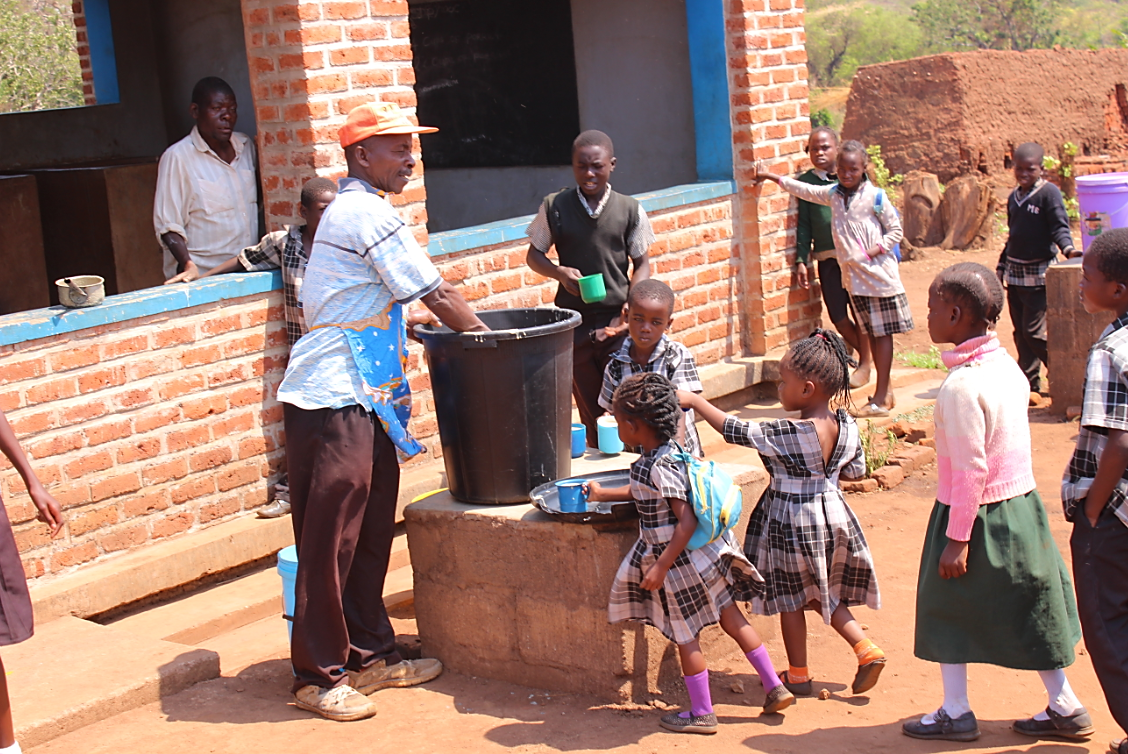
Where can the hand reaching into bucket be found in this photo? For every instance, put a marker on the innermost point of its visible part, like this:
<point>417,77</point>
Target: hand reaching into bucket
<point>597,493</point>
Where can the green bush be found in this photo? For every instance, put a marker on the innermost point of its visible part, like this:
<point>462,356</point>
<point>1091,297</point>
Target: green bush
<point>39,67</point>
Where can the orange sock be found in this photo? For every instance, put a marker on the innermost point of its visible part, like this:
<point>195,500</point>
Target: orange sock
<point>798,675</point>
<point>867,651</point>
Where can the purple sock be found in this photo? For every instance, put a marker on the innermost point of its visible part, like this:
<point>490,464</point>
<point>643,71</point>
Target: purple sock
<point>763,664</point>
<point>700,703</point>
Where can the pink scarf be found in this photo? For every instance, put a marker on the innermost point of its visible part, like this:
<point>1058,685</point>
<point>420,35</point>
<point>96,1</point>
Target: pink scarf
<point>971,350</point>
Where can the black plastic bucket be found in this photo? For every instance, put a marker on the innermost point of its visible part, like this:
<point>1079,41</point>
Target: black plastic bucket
<point>504,402</point>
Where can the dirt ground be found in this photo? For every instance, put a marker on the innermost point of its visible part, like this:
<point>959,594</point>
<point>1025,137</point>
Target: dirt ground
<point>251,712</point>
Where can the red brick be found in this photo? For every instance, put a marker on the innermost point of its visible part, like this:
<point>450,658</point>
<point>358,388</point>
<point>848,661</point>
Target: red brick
<point>285,13</point>
<point>30,537</point>
<point>14,371</point>
<point>388,7</point>
<point>174,524</point>
<point>145,503</point>
<point>30,424</point>
<point>309,11</point>
<point>244,422</point>
<point>72,494</point>
<point>101,379</point>
<point>45,392</point>
<point>348,55</point>
<point>134,398</point>
<point>202,355</point>
<point>155,420</point>
<point>102,433</point>
<point>226,506</point>
<point>124,538</point>
<point>315,35</point>
<point>73,556</point>
<point>220,325</point>
<point>88,520</point>
<point>238,476</point>
<point>210,458</point>
<point>89,463</point>
<point>248,344</point>
<point>184,439</point>
<point>54,446</point>
<point>251,447</point>
<point>193,489</point>
<point>121,484</point>
<point>391,52</point>
<point>139,450</point>
<point>73,358</point>
<point>163,472</point>
<point>205,406</point>
<point>358,32</point>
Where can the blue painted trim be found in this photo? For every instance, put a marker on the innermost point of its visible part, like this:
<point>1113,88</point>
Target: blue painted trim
<point>708,68</point>
<point>56,320</point>
<point>505,231</point>
<point>103,64</point>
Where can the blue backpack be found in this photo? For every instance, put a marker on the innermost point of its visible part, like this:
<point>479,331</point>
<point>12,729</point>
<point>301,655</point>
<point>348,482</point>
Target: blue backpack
<point>716,499</point>
<point>879,210</point>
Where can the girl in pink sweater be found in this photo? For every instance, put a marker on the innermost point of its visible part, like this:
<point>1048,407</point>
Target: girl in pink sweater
<point>992,586</point>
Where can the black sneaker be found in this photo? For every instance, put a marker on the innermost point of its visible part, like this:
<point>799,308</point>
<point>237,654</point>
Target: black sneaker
<point>798,689</point>
<point>1075,727</point>
<point>693,724</point>
<point>962,728</point>
<point>1118,747</point>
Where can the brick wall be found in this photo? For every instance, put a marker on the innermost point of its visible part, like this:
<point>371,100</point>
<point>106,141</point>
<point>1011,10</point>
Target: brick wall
<point>144,429</point>
<point>78,13</point>
<point>770,115</point>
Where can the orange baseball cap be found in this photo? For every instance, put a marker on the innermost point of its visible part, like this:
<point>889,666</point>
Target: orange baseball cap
<point>378,119</point>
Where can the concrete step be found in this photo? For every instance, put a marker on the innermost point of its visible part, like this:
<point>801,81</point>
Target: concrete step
<point>265,639</point>
<point>73,673</point>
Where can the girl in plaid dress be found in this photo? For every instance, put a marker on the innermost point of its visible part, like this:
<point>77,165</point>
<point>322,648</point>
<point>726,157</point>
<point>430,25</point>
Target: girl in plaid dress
<point>803,537</point>
<point>679,591</point>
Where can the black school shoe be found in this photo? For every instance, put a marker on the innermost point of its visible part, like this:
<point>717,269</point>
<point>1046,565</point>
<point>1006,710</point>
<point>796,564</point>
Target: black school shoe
<point>962,728</point>
<point>693,724</point>
<point>798,689</point>
<point>1075,727</point>
<point>1119,747</point>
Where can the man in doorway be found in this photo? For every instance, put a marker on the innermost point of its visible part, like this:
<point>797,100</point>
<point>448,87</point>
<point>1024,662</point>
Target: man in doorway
<point>347,405</point>
<point>206,206</point>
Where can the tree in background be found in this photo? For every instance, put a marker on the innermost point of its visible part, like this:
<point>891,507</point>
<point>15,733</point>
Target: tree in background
<point>39,66</point>
<point>987,24</point>
<point>839,40</point>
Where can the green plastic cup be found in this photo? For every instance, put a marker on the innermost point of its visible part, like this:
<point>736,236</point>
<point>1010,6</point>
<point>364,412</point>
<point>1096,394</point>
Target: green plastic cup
<point>592,288</point>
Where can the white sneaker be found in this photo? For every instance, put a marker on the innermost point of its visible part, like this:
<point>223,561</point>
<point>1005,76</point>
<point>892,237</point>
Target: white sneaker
<point>342,703</point>
<point>404,673</point>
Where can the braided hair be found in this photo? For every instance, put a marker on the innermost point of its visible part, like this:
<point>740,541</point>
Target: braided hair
<point>651,399</point>
<point>824,359</point>
<point>974,288</point>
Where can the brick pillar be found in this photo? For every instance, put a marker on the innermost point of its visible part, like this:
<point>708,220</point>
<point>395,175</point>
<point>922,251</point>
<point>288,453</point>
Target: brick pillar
<point>82,46</point>
<point>310,64</point>
<point>770,118</point>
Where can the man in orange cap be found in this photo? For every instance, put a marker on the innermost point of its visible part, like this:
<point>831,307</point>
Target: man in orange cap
<point>347,405</point>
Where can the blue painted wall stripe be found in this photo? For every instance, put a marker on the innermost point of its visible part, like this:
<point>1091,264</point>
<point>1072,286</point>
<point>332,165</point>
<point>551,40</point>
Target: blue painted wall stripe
<point>56,320</point>
<point>708,67</point>
<point>103,64</point>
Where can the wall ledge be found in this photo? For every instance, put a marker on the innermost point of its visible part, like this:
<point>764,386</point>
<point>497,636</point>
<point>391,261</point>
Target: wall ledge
<point>57,320</point>
<point>505,231</point>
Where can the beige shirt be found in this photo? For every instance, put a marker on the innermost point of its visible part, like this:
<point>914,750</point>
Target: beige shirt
<point>212,204</point>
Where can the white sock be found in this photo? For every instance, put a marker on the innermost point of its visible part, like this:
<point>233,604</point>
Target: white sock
<point>955,693</point>
<point>1062,699</point>
<point>13,749</point>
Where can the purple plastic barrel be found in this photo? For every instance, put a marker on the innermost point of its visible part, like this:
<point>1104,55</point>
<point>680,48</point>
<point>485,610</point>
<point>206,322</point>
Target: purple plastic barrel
<point>1103,200</point>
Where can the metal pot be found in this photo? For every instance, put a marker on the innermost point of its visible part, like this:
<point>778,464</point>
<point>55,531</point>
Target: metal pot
<point>81,290</point>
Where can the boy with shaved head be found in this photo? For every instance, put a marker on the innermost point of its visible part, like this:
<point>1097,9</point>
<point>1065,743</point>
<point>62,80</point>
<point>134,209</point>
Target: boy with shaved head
<point>594,230</point>
<point>1039,227</point>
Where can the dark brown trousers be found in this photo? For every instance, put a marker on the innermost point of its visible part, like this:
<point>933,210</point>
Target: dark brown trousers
<point>589,359</point>
<point>344,481</point>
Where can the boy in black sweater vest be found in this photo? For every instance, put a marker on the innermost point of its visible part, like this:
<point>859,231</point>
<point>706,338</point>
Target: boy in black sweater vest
<point>594,230</point>
<point>1038,227</point>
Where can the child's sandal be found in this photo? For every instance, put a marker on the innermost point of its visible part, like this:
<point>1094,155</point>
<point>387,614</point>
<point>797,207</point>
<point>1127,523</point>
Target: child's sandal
<point>867,675</point>
<point>798,689</point>
<point>779,699</point>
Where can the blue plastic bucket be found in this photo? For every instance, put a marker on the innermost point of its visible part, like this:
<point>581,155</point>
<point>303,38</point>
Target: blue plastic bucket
<point>572,498</point>
<point>1103,201</point>
<point>609,441</point>
<point>288,570</point>
<point>579,440</point>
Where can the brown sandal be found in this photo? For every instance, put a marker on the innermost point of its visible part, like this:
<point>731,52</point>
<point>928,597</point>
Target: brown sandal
<point>867,675</point>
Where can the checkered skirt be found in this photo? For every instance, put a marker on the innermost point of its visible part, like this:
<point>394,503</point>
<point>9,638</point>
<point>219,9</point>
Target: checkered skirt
<point>700,584</point>
<point>802,537</point>
<point>883,316</point>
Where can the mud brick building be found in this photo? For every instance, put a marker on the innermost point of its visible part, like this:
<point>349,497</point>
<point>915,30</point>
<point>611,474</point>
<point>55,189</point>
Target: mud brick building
<point>154,416</point>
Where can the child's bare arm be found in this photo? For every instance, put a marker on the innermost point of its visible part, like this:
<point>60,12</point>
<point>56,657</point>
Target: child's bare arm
<point>539,263</point>
<point>683,532</point>
<point>597,493</point>
<point>49,512</point>
<point>1110,468</point>
<point>703,408</point>
<point>231,265</point>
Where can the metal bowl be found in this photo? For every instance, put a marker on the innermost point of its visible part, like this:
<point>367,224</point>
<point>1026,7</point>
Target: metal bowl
<point>547,499</point>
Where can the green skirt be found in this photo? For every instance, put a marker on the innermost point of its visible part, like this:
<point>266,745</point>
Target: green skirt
<point>1014,607</point>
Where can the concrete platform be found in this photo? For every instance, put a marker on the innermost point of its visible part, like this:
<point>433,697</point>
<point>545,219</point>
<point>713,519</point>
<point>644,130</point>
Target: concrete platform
<point>73,673</point>
<point>510,593</point>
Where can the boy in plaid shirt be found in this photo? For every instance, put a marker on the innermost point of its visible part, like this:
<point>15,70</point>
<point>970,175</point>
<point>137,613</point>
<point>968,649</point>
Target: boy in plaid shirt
<point>649,312</point>
<point>287,250</point>
<point>1094,490</point>
<point>1039,226</point>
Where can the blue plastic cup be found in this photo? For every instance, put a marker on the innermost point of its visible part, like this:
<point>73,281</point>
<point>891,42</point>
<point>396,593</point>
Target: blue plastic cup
<point>579,440</point>
<point>609,441</point>
<point>288,570</point>
<point>572,497</point>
